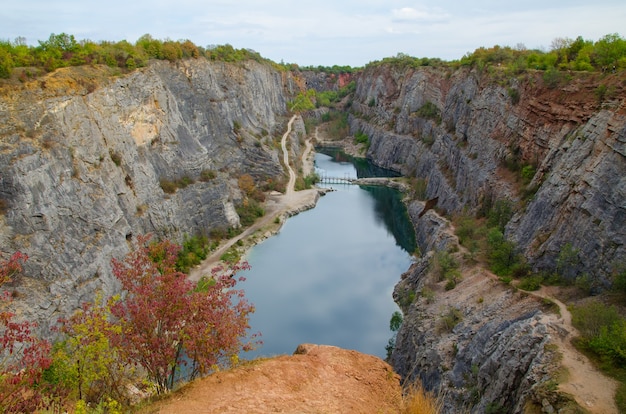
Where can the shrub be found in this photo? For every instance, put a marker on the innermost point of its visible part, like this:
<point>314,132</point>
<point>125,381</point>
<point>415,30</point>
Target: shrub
<point>249,212</point>
<point>429,111</point>
<point>168,186</point>
<point>419,188</point>
<point>310,180</point>
<point>499,214</point>
<point>362,138</point>
<point>530,283</point>
<point>503,259</point>
<point>115,157</point>
<point>514,95</point>
<point>449,320</point>
<point>207,175</point>
<point>603,331</point>
<point>417,400</point>
<point>194,251</point>
<point>527,173</point>
<point>444,265</point>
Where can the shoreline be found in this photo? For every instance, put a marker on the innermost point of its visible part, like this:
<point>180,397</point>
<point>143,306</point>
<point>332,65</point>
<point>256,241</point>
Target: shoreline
<point>278,207</point>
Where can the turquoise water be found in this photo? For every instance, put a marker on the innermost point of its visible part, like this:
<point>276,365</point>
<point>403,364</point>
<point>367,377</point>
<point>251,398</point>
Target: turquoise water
<point>328,276</point>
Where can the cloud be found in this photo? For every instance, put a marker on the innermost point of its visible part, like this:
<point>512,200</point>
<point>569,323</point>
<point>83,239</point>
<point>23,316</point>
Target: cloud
<point>423,14</point>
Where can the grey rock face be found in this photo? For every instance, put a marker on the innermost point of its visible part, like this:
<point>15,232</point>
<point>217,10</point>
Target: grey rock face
<point>482,344</point>
<point>80,174</point>
<point>459,146</point>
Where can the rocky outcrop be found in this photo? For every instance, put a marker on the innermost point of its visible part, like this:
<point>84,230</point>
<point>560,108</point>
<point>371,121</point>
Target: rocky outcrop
<point>481,344</point>
<point>83,169</point>
<point>458,129</point>
<point>315,379</point>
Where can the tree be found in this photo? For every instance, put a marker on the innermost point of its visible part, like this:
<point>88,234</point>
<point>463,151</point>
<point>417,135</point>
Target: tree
<point>86,362</point>
<point>609,50</point>
<point>168,322</point>
<point>23,356</point>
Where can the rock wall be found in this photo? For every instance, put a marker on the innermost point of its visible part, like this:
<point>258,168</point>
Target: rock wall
<point>81,166</point>
<point>483,344</point>
<point>475,123</point>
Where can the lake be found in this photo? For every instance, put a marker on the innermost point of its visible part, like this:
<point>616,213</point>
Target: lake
<point>328,276</point>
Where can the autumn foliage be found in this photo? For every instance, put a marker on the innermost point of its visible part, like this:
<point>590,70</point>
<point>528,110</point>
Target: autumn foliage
<point>162,328</point>
<point>23,356</point>
<point>169,323</point>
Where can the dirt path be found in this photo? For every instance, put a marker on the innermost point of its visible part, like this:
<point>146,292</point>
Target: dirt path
<point>589,387</point>
<point>283,143</point>
<point>276,205</point>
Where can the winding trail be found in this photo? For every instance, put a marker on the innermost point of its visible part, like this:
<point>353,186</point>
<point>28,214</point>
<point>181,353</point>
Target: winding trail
<point>275,206</point>
<point>584,382</point>
<point>590,388</point>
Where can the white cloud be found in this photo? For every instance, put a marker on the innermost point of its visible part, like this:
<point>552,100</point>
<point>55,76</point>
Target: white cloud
<point>410,14</point>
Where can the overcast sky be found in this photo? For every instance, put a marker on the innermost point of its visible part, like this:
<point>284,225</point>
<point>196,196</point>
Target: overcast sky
<point>321,32</point>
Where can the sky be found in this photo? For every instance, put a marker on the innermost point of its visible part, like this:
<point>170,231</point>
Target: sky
<point>321,32</point>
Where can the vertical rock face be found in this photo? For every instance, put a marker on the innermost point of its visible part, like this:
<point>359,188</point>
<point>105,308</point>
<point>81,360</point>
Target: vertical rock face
<point>81,171</point>
<point>457,130</point>
<point>483,344</point>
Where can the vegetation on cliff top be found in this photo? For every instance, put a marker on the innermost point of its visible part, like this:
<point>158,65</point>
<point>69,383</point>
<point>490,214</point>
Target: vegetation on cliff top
<point>606,54</point>
<point>63,50</point>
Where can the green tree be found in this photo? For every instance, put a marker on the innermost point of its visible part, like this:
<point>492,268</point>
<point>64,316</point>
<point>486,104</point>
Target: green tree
<point>6,60</point>
<point>609,50</point>
<point>85,361</point>
<point>502,255</point>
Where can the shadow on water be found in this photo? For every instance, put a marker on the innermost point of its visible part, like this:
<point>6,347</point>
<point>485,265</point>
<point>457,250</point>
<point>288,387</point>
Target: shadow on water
<point>391,211</point>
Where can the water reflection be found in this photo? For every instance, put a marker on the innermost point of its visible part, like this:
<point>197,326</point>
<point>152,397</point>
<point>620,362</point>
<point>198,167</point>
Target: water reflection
<point>327,278</point>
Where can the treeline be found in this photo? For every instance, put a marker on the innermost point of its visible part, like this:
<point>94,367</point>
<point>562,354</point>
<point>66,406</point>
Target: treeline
<point>607,54</point>
<point>62,50</point>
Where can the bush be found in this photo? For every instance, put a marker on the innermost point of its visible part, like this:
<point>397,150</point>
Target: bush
<point>207,175</point>
<point>514,95</point>
<point>603,331</point>
<point>503,259</point>
<point>417,400</point>
<point>449,320</point>
<point>420,186</point>
<point>362,138</point>
<point>429,111</point>
<point>249,212</point>
<point>115,157</point>
<point>530,283</point>
<point>194,251</point>
<point>168,186</point>
<point>443,264</point>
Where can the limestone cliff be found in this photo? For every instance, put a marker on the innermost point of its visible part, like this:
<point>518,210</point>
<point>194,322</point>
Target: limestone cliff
<point>84,156</point>
<point>458,129</point>
<point>467,134</point>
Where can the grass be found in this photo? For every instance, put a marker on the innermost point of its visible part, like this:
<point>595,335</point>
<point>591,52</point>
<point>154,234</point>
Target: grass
<point>417,400</point>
